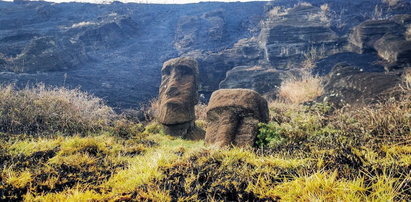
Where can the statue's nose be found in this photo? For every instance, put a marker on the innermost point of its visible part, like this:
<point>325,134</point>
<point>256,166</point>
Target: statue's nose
<point>172,91</point>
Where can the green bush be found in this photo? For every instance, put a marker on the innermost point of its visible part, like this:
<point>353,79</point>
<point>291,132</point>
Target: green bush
<point>269,135</point>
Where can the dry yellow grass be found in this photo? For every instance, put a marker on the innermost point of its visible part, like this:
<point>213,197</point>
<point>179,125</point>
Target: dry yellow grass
<point>407,78</point>
<point>299,90</point>
<point>391,2</point>
<point>45,109</point>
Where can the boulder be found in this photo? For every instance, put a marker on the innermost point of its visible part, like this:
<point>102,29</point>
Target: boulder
<point>394,49</point>
<point>233,116</point>
<point>367,33</point>
<point>352,85</point>
<point>178,96</point>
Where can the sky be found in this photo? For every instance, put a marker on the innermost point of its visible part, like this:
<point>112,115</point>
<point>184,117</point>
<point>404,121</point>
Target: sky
<point>149,1</point>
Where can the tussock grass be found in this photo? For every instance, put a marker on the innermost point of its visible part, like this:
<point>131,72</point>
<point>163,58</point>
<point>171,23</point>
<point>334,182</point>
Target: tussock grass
<point>41,109</point>
<point>301,89</point>
<point>407,76</point>
<point>327,187</point>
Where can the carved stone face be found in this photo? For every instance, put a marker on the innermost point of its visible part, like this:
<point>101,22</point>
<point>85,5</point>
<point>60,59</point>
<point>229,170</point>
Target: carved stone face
<point>233,116</point>
<point>178,91</point>
<point>235,126</point>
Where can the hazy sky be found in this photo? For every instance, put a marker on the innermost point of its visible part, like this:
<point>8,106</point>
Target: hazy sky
<point>149,1</point>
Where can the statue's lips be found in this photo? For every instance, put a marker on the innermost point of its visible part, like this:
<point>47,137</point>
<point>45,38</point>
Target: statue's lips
<point>174,101</point>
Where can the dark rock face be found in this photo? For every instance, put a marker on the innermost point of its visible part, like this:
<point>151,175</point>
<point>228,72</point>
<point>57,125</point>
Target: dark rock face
<point>386,37</point>
<point>265,81</point>
<point>213,66</point>
<point>233,116</point>
<point>178,96</point>
<point>348,84</point>
<point>108,34</point>
<point>45,54</point>
<point>367,33</point>
<point>193,31</point>
<point>367,62</point>
<point>394,49</point>
<point>287,35</point>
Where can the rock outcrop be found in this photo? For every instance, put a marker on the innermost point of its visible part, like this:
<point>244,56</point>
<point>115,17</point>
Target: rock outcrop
<point>46,54</point>
<point>347,84</point>
<point>107,33</point>
<point>178,96</point>
<point>387,37</point>
<point>288,34</point>
<point>265,81</point>
<point>367,33</point>
<point>233,116</point>
<point>395,50</point>
<point>193,31</point>
<point>214,65</point>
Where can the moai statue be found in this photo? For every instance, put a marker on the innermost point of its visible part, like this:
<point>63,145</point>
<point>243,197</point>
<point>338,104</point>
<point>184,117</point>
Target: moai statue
<point>233,116</point>
<point>178,96</point>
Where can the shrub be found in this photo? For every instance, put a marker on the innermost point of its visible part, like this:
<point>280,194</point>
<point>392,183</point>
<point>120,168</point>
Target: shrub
<point>321,126</point>
<point>407,78</point>
<point>293,124</point>
<point>301,89</point>
<point>311,57</point>
<point>148,111</point>
<point>43,109</point>
<point>128,129</point>
<point>269,135</point>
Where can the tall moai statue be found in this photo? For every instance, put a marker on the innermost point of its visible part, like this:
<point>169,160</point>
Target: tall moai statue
<point>233,116</point>
<point>178,96</point>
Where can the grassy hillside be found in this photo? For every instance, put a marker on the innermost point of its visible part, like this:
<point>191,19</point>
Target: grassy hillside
<point>305,153</point>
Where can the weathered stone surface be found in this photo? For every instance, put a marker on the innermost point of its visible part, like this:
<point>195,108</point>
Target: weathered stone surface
<point>365,35</point>
<point>46,54</point>
<point>213,66</point>
<point>394,49</point>
<point>349,84</point>
<point>366,62</point>
<point>178,96</point>
<point>193,31</point>
<point>108,33</point>
<point>178,91</point>
<point>265,81</point>
<point>287,35</point>
<point>233,116</point>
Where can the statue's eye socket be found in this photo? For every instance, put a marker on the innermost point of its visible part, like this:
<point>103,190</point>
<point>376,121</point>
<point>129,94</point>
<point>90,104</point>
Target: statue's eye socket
<point>166,71</point>
<point>185,70</point>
